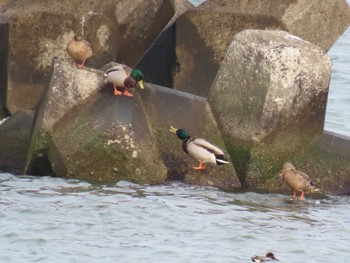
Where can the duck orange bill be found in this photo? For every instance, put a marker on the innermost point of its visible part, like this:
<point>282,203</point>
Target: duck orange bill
<point>172,129</point>
<point>141,84</point>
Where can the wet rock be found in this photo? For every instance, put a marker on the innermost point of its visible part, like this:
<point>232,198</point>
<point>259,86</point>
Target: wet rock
<point>35,32</point>
<point>329,161</point>
<point>95,135</point>
<point>166,107</point>
<point>269,99</point>
<point>14,141</point>
<point>199,39</point>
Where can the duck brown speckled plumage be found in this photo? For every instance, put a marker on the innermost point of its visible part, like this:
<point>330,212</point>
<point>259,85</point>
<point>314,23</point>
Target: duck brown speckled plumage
<point>79,49</point>
<point>298,181</point>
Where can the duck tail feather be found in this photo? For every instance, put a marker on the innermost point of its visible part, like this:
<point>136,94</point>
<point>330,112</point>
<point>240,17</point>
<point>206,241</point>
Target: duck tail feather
<point>315,187</point>
<point>220,160</point>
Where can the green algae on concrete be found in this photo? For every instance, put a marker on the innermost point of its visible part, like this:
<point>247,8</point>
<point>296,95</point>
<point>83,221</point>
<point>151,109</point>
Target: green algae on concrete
<point>68,88</point>
<point>269,99</point>
<point>14,141</point>
<point>326,161</point>
<point>108,140</point>
<point>86,132</point>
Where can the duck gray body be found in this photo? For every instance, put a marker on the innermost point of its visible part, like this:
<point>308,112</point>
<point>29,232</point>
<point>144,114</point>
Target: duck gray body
<point>125,77</point>
<point>203,151</point>
<point>200,149</point>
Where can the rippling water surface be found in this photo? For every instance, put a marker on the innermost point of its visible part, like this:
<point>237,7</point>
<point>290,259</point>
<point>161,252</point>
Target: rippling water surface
<point>338,107</point>
<point>55,220</point>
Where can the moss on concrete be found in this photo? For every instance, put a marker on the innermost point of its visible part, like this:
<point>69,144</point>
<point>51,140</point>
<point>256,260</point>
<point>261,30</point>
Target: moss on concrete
<point>258,162</point>
<point>179,163</point>
<point>37,162</point>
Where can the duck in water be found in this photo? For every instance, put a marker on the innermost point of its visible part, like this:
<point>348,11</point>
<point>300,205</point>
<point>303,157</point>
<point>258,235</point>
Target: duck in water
<point>298,181</point>
<point>267,258</point>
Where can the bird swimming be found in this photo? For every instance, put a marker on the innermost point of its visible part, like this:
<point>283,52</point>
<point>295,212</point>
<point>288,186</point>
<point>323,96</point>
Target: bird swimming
<point>200,149</point>
<point>268,257</point>
<point>298,181</point>
<point>124,77</point>
<point>79,49</point>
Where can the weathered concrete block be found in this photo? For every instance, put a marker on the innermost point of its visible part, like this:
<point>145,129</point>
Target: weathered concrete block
<point>109,140</point>
<point>200,38</point>
<point>95,136</point>
<point>319,22</point>
<point>329,160</point>
<point>188,54</point>
<point>139,23</point>
<point>68,88</point>
<point>167,107</point>
<point>14,141</point>
<point>3,71</point>
<point>159,62</point>
<point>29,62</point>
<point>180,6</point>
<point>35,32</point>
<point>269,99</point>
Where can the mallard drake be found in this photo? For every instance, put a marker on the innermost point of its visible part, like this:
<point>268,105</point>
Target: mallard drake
<point>124,77</point>
<point>200,149</point>
<point>80,50</point>
<point>268,257</point>
<point>298,181</point>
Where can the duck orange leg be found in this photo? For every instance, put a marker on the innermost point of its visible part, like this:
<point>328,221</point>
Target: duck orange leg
<point>116,92</point>
<point>301,196</point>
<point>200,167</point>
<point>294,195</point>
<point>80,65</point>
<point>127,93</point>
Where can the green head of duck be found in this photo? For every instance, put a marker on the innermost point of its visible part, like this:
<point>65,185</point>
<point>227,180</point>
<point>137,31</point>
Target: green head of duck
<point>181,133</point>
<point>137,75</point>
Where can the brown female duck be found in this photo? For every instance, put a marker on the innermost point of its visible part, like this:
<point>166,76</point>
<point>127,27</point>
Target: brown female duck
<point>80,50</point>
<point>298,181</point>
